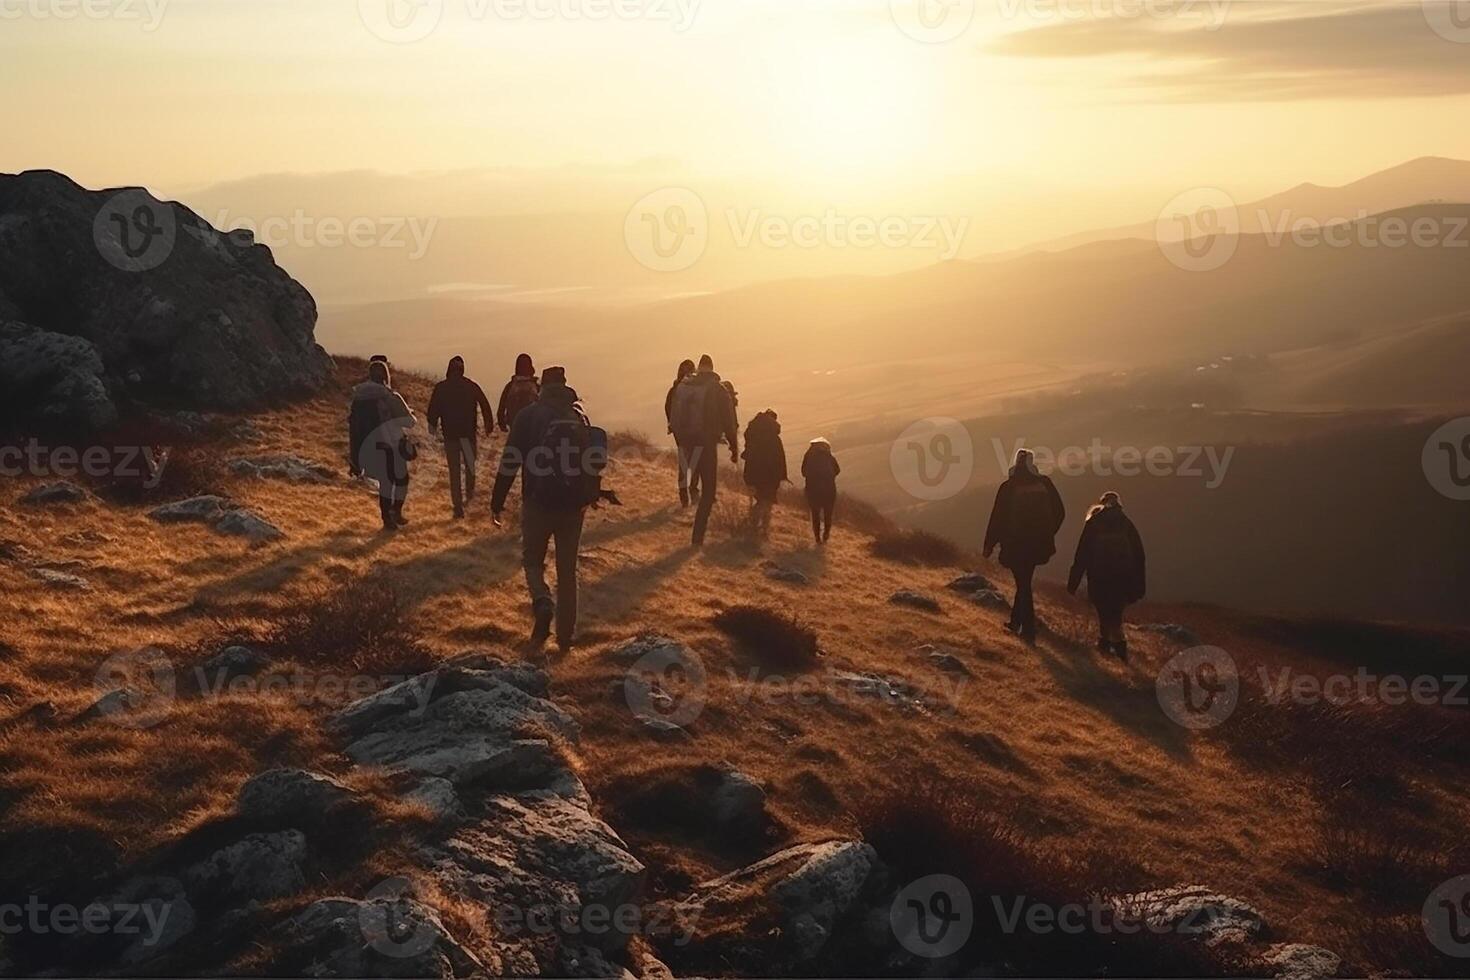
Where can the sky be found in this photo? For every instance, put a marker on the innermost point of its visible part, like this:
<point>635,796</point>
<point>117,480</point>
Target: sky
<point>1088,109</point>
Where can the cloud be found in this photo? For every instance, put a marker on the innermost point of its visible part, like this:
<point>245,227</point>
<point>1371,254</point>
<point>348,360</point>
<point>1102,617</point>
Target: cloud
<point>1271,51</point>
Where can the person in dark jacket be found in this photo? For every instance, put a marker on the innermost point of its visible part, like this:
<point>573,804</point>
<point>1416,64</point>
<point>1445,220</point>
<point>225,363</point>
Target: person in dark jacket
<point>819,468</point>
<point>453,405</point>
<point>379,444</point>
<point>703,416</point>
<point>1110,556</point>
<point>541,524</point>
<point>1028,513</point>
<point>686,485</point>
<point>520,391</point>
<point>765,465</point>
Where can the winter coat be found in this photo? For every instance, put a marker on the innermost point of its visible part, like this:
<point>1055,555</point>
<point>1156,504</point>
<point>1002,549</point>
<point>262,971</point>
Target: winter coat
<point>454,403</point>
<point>765,454</point>
<point>1024,522</point>
<point>819,468</point>
<point>1110,555</point>
<point>378,424</point>
<point>528,431</point>
<point>719,423</point>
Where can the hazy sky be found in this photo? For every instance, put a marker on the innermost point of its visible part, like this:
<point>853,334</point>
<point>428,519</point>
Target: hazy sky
<point>970,99</point>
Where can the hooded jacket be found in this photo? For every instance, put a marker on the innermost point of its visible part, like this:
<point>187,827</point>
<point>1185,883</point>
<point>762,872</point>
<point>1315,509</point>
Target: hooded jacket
<point>558,400</point>
<point>378,421</point>
<point>1027,514</point>
<point>455,401</point>
<point>765,454</point>
<point>819,468</point>
<point>520,391</point>
<point>720,423</point>
<point>1115,572</point>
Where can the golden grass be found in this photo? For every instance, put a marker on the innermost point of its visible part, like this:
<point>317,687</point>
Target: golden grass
<point>1072,747</point>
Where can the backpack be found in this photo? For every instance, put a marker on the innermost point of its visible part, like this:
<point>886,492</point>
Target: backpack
<point>1031,511</point>
<point>521,392</point>
<point>565,471</point>
<point>687,416</point>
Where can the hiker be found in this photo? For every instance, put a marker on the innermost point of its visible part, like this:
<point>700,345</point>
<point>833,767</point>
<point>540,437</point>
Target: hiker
<point>765,465</point>
<point>454,403</point>
<point>557,449</point>
<point>1110,555</point>
<point>819,468</point>
<point>520,391</point>
<point>380,447</point>
<point>703,416</point>
<point>1028,513</point>
<point>686,487</point>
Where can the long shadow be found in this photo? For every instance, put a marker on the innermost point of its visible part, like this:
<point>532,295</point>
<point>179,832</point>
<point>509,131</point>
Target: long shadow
<point>810,561</point>
<point>618,593</point>
<point>1136,709</point>
<point>476,565</point>
<point>283,567</point>
<point>605,531</point>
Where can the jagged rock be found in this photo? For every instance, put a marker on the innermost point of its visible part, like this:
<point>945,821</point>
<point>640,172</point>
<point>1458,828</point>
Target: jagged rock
<point>870,686</point>
<point>392,936</point>
<point>234,661</point>
<point>812,886</point>
<point>1300,961</point>
<point>947,662</point>
<point>61,580</point>
<point>1172,632</point>
<point>780,573</point>
<point>468,672</point>
<point>281,796</point>
<point>915,600</point>
<point>164,913</point>
<point>547,854</point>
<point>243,523</point>
<point>646,644</point>
<point>970,583</point>
<point>438,796</point>
<point>112,296</point>
<point>258,867</point>
<point>58,492</point>
<point>292,468</point>
<point>990,599</point>
<point>737,803</point>
<point>1193,910</point>
<point>202,509</point>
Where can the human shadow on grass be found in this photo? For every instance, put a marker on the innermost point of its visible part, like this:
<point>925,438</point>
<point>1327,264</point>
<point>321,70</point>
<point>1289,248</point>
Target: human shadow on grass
<point>283,567</point>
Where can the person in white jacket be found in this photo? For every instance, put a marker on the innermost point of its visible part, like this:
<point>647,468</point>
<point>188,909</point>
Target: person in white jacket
<point>378,426</point>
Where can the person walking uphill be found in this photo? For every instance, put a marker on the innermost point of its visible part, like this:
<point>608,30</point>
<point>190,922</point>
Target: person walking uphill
<point>819,468</point>
<point>557,450</point>
<point>765,465</point>
<point>519,392</point>
<point>1028,513</point>
<point>1110,555</point>
<point>379,446</point>
<point>686,368</point>
<point>704,414</point>
<point>453,405</point>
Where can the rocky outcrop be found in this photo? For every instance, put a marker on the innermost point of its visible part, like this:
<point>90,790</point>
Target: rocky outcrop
<point>291,468</point>
<point>58,492</point>
<point>1193,910</point>
<point>915,600</point>
<point>112,298</point>
<point>221,514</point>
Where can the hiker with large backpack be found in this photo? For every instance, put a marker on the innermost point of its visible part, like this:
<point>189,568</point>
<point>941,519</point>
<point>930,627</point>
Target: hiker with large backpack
<point>560,457</point>
<point>702,416</point>
<point>1110,555</point>
<point>1024,522</point>
<point>765,465</point>
<point>454,406</point>
<point>819,468</point>
<point>379,445</point>
<point>519,392</point>
<point>686,368</point>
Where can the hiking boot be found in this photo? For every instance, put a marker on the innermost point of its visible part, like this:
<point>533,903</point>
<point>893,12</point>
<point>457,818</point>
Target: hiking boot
<point>1104,645</point>
<point>564,646</point>
<point>683,497</point>
<point>544,613</point>
<point>1121,649</point>
<point>459,513</point>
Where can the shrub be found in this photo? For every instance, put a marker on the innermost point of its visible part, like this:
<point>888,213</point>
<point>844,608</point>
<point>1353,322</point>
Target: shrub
<point>917,548</point>
<point>362,625</point>
<point>778,640</point>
